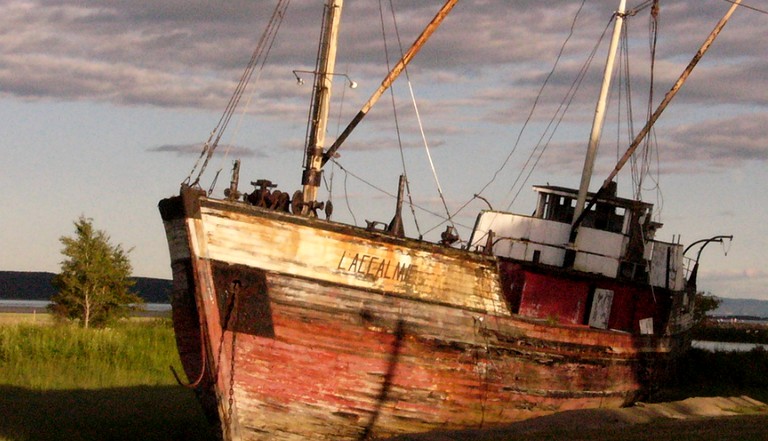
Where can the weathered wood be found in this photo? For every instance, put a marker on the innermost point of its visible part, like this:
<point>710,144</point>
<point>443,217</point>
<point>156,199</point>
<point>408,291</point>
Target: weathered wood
<point>321,251</point>
<point>309,341</point>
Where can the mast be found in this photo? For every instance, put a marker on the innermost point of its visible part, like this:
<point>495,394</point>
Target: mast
<point>597,123</point>
<point>673,91</point>
<point>662,106</point>
<point>320,105</point>
<point>392,76</point>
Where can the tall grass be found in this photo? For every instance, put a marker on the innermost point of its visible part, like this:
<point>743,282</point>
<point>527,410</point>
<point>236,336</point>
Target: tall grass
<point>68,357</point>
<point>62,382</point>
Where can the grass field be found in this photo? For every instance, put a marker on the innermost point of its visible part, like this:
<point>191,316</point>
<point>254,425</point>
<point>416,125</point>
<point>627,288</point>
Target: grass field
<point>61,382</point>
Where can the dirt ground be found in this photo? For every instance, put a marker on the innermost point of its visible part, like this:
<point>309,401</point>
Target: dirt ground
<point>700,419</point>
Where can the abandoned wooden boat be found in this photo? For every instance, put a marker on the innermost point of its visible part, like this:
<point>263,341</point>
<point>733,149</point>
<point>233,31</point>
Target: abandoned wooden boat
<point>293,327</point>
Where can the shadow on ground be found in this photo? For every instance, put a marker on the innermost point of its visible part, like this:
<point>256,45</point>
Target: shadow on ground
<point>132,413</point>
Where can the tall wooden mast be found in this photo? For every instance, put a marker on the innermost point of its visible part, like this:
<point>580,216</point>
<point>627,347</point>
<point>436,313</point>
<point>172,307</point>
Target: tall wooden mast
<point>392,76</point>
<point>320,105</point>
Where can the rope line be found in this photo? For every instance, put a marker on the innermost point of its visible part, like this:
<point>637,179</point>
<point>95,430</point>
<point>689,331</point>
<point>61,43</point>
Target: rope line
<point>530,114</point>
<point>753,8</point>
<point>393,101</point>
<point>260,53</point>
<point>387,193</point>
<point>402,155</point>
<point>557,119</point>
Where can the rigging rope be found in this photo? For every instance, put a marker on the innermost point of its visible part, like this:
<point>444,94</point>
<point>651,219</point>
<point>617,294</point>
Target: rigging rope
<point>421,131</point>
<point>649,3</point>
<point>654,25</point>
<point>329,182</point>
<point>530,114</point>
<point>258,58</point>
<point>557,118</point>
<point>624,79</point>
<point>545,139</point>
<point>394,106</point>
<point>640,163</point>
<point>753,8</point>
<point>247,106</point>
<point>346,193</point>
<point>387,193</point>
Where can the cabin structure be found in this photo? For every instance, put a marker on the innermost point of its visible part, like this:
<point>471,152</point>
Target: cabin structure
<point>611,274</point>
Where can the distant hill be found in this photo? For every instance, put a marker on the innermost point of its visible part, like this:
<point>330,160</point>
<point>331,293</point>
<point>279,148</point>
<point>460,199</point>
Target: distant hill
<point>20,285</point>
<point>742,307</point>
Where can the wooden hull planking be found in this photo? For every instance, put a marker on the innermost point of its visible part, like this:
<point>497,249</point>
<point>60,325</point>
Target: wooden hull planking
<point>302,329</point>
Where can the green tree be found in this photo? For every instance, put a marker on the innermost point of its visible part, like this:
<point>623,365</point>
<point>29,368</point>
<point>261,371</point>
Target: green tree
<point>95,279</point>
<point>705,303</point>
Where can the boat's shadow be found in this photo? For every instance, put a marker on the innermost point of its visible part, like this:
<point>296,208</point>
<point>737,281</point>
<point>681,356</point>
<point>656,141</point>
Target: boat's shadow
<point>130,413</point>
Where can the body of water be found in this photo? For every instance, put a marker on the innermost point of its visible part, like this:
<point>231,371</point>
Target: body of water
<point>722,346</point>
<point>42,305</point>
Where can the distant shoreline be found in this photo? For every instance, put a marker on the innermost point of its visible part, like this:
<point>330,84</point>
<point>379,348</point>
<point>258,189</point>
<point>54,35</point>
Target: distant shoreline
<point>20,285</point>
<point>15,306</point>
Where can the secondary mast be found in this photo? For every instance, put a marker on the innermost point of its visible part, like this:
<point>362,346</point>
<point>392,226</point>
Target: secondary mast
<point>320,106</point>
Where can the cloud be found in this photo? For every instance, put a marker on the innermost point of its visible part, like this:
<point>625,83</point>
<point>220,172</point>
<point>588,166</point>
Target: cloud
<point>735,275</point>
<point>723,142</point>
<point>196,149</point>
<point>482,69</point>
<point>196,44</point>
<point>77,79</point>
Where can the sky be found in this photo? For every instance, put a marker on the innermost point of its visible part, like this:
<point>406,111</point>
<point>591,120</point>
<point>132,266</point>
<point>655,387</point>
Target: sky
<point>105,105</point>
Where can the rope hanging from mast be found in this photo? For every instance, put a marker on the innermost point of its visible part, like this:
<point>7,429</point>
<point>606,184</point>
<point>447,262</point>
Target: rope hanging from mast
<point>640,163</point>
<point>554,123</point>
<point>421,131</point>
<point>529,118</point>
<point>394,105</point>
<point>258,59</point>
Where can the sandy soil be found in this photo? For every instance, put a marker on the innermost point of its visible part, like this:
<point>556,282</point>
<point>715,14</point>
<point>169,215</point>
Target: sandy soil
<point>701,419</point>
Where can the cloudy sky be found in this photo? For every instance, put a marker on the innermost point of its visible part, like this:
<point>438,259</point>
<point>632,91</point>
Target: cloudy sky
<point>105,104</point>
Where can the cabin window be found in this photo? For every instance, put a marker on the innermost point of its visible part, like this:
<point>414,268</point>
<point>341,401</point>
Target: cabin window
<point>609,218</point>
<point>556,208</point>
<point>606,217</point>
<point>617,223</point>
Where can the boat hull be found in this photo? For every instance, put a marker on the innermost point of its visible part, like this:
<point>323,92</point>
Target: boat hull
<point>360,335</point>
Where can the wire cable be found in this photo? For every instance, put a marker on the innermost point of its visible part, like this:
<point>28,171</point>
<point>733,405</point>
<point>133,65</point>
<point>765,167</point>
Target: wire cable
<point>260,53</point>
<point>530,114</point>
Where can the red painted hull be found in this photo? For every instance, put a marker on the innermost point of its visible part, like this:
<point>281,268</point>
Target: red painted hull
<point>285,356</point>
